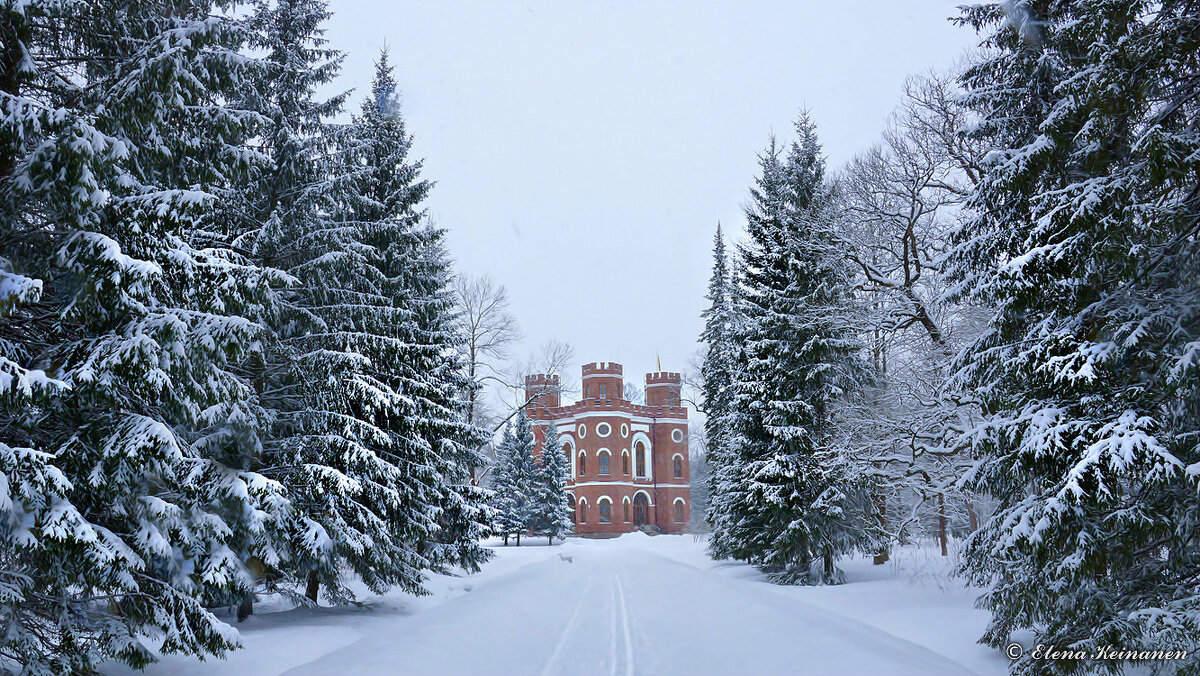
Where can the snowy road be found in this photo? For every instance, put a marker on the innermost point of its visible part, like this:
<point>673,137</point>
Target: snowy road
<point>622,609</point>
<point>633,605</point>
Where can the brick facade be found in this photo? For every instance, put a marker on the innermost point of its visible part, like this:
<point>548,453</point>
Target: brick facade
<point>633,458</point>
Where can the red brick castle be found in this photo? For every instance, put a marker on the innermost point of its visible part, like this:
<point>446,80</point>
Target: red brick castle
<point>629,462</point>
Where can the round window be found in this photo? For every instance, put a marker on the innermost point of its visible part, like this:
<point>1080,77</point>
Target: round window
<point>603,429</point>
<point>581,430</point>
<point>677,436</point>
<point>624,430</point>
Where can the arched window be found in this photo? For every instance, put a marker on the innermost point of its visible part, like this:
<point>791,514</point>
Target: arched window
<point>679,510</point>
<point>639,450</point>
<point>678,467</point>
<point>625,508</point>
<point>582,464</point>
<point>625,464</point>
<point>605,510</point>
<point>602,460</point>
<point>581,510</point>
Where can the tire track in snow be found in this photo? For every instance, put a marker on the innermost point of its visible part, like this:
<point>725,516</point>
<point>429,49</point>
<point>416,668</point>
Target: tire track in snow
<point>568,628</point>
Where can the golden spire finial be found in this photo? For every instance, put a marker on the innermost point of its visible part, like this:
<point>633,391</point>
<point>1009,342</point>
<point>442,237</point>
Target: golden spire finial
<point>659,357</point>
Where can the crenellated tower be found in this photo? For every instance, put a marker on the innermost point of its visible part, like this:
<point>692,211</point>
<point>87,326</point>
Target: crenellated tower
<point>545,389</point>
<point>664,388</point>
<point>603,380</point>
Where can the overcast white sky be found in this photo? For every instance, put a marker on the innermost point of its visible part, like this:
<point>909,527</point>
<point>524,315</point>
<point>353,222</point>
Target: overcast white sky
<point>584,150</point>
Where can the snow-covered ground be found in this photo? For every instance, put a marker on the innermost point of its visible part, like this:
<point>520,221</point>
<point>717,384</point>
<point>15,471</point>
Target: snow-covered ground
<point>632,605</point>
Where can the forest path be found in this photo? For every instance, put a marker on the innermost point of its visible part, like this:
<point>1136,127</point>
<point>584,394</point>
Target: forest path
<point>620,608</point>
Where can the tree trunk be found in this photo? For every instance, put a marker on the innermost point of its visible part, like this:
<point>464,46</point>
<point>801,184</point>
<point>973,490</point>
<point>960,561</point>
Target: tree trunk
<point>246,607</point>
<point>313,587</point>
<point>518,539</point>
<point>973,518</point>
<point>942,522</point>
<point>10,72</point>
<point>882,556</point>
<point>827,562</point>
<point>506,539</point>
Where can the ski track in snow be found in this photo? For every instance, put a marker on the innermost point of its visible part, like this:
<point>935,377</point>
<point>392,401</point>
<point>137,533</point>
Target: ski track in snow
<point>565,636</point>
<point>625,627</point>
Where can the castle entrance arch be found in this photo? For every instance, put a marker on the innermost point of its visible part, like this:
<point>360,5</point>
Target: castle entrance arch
<point>641,509</point>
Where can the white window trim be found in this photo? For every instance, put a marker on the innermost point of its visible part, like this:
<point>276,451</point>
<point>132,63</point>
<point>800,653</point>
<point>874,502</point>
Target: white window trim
<point>604,499</point>
<point>607,452</point>
<point>645,439</point>
<point>570,454</point>
<point>677,501</point>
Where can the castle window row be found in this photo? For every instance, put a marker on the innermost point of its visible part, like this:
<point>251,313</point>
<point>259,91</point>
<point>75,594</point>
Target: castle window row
<point>604,461</point>
<point>641,509</point>
<point>604,429</point>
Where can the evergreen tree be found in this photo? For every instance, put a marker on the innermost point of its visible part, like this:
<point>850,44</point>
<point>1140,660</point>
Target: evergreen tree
<point>717,374</point>
<point>502,486</point>
<point>552,513</point>
<point>429,425</point>
<point>126,492</point>
<point>328,444</point>
<point>420,358</point>
<point>436,381</point>
<point>788,510</point>
<point>514,485</point>
<point>1084,240</point>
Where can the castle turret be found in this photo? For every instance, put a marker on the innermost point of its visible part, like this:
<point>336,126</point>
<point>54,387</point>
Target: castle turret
<point>664,388</point>
<point>545,389</point>
<point>603,380</point>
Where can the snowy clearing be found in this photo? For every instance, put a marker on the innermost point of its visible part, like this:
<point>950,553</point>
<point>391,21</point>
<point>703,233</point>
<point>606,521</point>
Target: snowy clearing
<point>632,605</point>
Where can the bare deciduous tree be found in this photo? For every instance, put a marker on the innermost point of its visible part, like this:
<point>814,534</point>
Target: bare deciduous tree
<point>900,199</point>
<point>551,359</point>
<point>488,331</point>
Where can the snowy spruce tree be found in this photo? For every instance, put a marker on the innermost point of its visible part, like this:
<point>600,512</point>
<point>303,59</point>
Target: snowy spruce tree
<point>552,513</point>
<point>127,496</point>
<point>717,373</point>
<point>435,377</point>
<point>787,506</point>
<point>1089,373</point>
<point>368,433</point>
<point>409,304</point>
<point>305,377</point>
<point>514,483</point>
